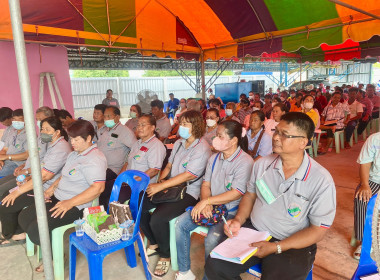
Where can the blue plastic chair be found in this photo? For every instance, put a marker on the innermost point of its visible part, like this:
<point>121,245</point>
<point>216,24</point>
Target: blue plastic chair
<point>366,264</point>
<point>95,253</point>
<point>256,271</point>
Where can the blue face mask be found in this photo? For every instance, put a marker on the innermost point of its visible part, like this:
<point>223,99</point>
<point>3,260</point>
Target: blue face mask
<point>184,132</point>
<point>109,123</point>
<point>18,125</point>
<point>39,124</point>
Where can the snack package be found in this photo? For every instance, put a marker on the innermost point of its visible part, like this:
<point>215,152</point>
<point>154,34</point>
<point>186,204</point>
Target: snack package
<point>120,212</point>
<point>101,221</point>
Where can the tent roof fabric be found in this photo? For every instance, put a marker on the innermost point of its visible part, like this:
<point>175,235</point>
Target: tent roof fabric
<point>217,29</point>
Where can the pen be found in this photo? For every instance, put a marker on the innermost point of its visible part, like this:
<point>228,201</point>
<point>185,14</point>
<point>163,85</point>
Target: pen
<point>224,220</point>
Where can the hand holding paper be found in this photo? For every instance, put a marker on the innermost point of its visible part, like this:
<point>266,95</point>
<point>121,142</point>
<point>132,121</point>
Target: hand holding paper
<point>264,248</point>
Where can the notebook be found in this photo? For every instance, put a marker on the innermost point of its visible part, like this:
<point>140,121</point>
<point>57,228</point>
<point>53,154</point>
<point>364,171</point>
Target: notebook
<point>237,249</point>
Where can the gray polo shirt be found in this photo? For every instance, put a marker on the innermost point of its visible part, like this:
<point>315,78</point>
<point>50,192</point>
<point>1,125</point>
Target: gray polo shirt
<point>111,102</point>
<point>98,131</point>
<point>132,124</point>
<point>17,144</point>
<point>209,135</point>
<point>6,133</point>
<point>193,160</point>
<point>231,173</point>
<point>163,127</point>
<point>146,155</point>
<point>80,172</point>
<point>307,197</point>
<point>55,158</point>
<point>115,143</point>
<point>42,148</point>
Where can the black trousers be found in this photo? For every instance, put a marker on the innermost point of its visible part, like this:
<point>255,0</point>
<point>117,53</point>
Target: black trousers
<point>7,183</point>
<point>28,219</point>
<point>362,126</point>
<point>155,226</point>
<point>293,264</point>
<point>105,195</point>
<point>9,215</point>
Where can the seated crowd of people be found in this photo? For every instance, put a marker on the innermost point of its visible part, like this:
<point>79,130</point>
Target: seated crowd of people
<point>249,157</point>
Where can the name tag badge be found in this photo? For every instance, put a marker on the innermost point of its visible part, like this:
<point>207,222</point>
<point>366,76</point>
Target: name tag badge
<point>265,191</point>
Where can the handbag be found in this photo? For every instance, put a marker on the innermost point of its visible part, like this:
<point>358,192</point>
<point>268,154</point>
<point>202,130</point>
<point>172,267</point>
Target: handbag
<point>218,211</point>
<point>175,193</point>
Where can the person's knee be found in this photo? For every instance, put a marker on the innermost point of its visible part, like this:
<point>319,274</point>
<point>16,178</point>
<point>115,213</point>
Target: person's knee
<point>156,221</point>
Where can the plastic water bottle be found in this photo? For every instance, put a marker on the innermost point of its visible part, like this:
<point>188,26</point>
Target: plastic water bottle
<point>21,179</point>
<point>128,227</point>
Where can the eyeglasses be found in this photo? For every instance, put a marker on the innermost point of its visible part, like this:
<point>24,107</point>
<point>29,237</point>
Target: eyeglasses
<point>284,136</point>
<point>142,124</point>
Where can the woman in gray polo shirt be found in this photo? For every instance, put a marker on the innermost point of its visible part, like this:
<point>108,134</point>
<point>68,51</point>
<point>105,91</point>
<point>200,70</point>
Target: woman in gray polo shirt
<point>20,197</point>
<point>83,178</point>
<point>225,182</point>
<point>212,120</point>
<point>146,155</point>
<point>187,163</point>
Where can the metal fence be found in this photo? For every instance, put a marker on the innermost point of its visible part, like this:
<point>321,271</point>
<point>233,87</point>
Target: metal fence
<point>87,92</point>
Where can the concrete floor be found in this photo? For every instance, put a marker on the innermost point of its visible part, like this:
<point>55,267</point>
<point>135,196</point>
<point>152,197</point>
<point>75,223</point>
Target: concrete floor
<point>333,261</point>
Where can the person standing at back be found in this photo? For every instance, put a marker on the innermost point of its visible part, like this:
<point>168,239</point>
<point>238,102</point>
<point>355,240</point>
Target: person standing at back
<point>6,120</point>
<point>163,127</point>
<point>109,100</point>
<point>172,106</point>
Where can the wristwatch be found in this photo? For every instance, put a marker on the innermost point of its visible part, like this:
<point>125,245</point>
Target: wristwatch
<point>279,251</point>
<point>10,157</point>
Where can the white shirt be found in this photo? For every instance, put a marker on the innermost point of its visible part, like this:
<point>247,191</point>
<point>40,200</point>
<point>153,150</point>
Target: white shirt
<point>355,108</point>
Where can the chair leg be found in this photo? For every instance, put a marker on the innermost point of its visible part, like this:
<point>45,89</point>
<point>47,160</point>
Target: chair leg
<point>337,148</point>
<point>341,138</point>
<point>143,259</point>
<point>58,255</point>
<point>315,147</point>
<point>131,255</point>
<point>29,247</point>
<point>356,135</point>
<point>95,267</point>
<point>72,262</point>
<point>173,245</point>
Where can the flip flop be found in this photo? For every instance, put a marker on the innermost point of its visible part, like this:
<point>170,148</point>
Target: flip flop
<point>150,252</point>
<point>12,242</point>
<point>163,266</point>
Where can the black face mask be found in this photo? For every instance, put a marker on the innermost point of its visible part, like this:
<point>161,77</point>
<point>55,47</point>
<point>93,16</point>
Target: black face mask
<point>46,138</point>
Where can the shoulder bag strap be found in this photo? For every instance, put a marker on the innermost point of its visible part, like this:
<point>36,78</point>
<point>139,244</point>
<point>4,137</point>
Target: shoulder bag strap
<point>255,149</point>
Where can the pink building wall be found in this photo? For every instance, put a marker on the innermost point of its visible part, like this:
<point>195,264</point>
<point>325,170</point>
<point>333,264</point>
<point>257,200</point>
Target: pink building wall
<point>54,59</point>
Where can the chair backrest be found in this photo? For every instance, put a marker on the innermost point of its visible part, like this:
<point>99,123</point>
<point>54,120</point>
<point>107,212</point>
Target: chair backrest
<point>138,181</point>
<point>365,256</point>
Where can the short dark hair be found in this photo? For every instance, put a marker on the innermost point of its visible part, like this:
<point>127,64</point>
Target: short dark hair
<point>353,89</point>
<point>157,103</point>
<point>56,123</point>
<point>302,121</point>
<point>235,129</point>
<point>307,95</point>
<point>260,114</point>
<point>282,107</point>
<point>18,113</point>
<point>81,128</point>
<point>339,89</point>
<point>268,96</point>
<point>56,112</point>
<point>215,111</point>
<point>197,123</point>
<point>48,112</point>
<point>243,95</point>
<point>116,110</point>
<point>171,93</point>
<point>100,107</point>
<point>138,108</point>
<point>335,93</point>
<point>245,101</point>
<point>299,94</point>
<point>215,101</point>
<point>5,113</point>
<point>109,90</point>
<point>63,114</point>
<point>257,94</point>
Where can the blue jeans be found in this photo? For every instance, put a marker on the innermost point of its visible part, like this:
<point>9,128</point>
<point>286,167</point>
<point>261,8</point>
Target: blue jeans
<point>184,225</point>
<point>8,168</point>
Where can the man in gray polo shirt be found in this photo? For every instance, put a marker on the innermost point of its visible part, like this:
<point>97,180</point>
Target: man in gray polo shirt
<point>293,198</point>
<point>115,143</point>
<point>109,100</point>
<point>163,127</point>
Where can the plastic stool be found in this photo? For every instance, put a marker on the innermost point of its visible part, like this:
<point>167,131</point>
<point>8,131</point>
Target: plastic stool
<point>256,271</point>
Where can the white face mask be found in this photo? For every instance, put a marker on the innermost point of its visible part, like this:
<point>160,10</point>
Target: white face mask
<point>308,105</point>
<point>210,123</point>
<point>229,112</point>
<point>273,104</point>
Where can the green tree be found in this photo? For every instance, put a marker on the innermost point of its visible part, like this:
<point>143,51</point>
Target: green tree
<point>172,73</point>
<point>100,73</point>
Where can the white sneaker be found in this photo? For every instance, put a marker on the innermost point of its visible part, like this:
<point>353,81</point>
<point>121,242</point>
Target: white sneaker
<point>189,275</point>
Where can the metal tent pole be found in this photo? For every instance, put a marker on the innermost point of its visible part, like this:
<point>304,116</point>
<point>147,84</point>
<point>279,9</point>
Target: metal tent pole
<point>203,87</point>
<point>26,98</point>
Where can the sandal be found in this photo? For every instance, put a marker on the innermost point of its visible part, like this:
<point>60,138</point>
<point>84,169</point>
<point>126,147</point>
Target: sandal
<point>357,252</point>
<point>11,242</point>
<point>150,252</point>
<point>162,266</point>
